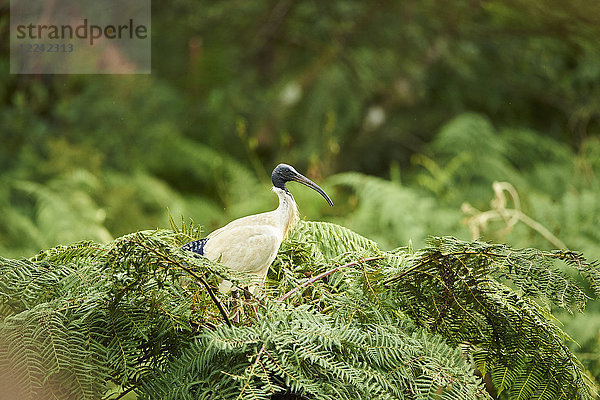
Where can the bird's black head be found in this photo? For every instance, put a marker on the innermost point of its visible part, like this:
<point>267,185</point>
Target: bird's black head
<point>284,173</point>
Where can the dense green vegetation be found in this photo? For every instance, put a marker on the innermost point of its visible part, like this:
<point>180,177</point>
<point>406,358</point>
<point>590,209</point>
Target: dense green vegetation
<point>144,315</point>
<point>475,120</point>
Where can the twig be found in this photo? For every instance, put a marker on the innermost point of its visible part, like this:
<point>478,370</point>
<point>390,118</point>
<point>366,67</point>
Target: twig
<point>324,274</point>
<point>510,216</point>
<point>402,274</point>
<point>428,260</point>
<point>262,348</point>
<point>195,275</point>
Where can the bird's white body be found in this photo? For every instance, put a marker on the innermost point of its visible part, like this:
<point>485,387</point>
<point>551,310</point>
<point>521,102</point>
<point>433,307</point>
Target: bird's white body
<point>251,243</point>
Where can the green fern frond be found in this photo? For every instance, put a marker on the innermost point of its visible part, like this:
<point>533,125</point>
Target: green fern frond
<point>316,356</point>
<point>328,241</point>
<point>456,289</point>
<point>187,232</point>
<point>340,319</point>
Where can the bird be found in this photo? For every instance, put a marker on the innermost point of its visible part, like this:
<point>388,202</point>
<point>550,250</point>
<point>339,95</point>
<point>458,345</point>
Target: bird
<point>251,243</point>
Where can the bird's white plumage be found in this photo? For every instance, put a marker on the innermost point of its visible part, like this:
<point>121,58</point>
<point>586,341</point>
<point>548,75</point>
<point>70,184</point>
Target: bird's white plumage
<point>251,243</point>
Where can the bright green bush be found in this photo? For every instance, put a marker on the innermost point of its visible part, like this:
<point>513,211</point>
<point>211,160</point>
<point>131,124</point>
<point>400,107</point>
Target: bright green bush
<point>339,319</point>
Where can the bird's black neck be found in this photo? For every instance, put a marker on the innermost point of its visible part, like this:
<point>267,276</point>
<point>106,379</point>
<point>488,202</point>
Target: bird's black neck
<point>281,174</point>
<point>279,182</point>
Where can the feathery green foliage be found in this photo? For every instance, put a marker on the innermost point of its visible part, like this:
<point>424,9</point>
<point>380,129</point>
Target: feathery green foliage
<point>489,298</point>
<point>343,85</point>
<point>338,319</point>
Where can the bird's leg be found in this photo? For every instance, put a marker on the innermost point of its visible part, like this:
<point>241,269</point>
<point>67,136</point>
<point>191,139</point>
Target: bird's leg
<point>248,297</point>
<point>235,309</point>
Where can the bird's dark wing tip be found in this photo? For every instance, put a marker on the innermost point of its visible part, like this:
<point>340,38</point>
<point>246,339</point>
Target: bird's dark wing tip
<point>197,246</point>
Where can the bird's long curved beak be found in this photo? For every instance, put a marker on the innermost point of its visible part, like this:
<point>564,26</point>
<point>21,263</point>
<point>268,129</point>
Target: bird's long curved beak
<point>307,182</point>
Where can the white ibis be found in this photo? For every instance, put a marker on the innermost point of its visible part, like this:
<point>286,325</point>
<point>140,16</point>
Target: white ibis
<point>251,243</point>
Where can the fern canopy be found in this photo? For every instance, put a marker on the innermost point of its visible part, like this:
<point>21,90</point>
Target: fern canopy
<point>338,319</point>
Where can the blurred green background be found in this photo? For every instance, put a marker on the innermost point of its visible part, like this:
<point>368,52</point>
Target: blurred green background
<point>407,113</point>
